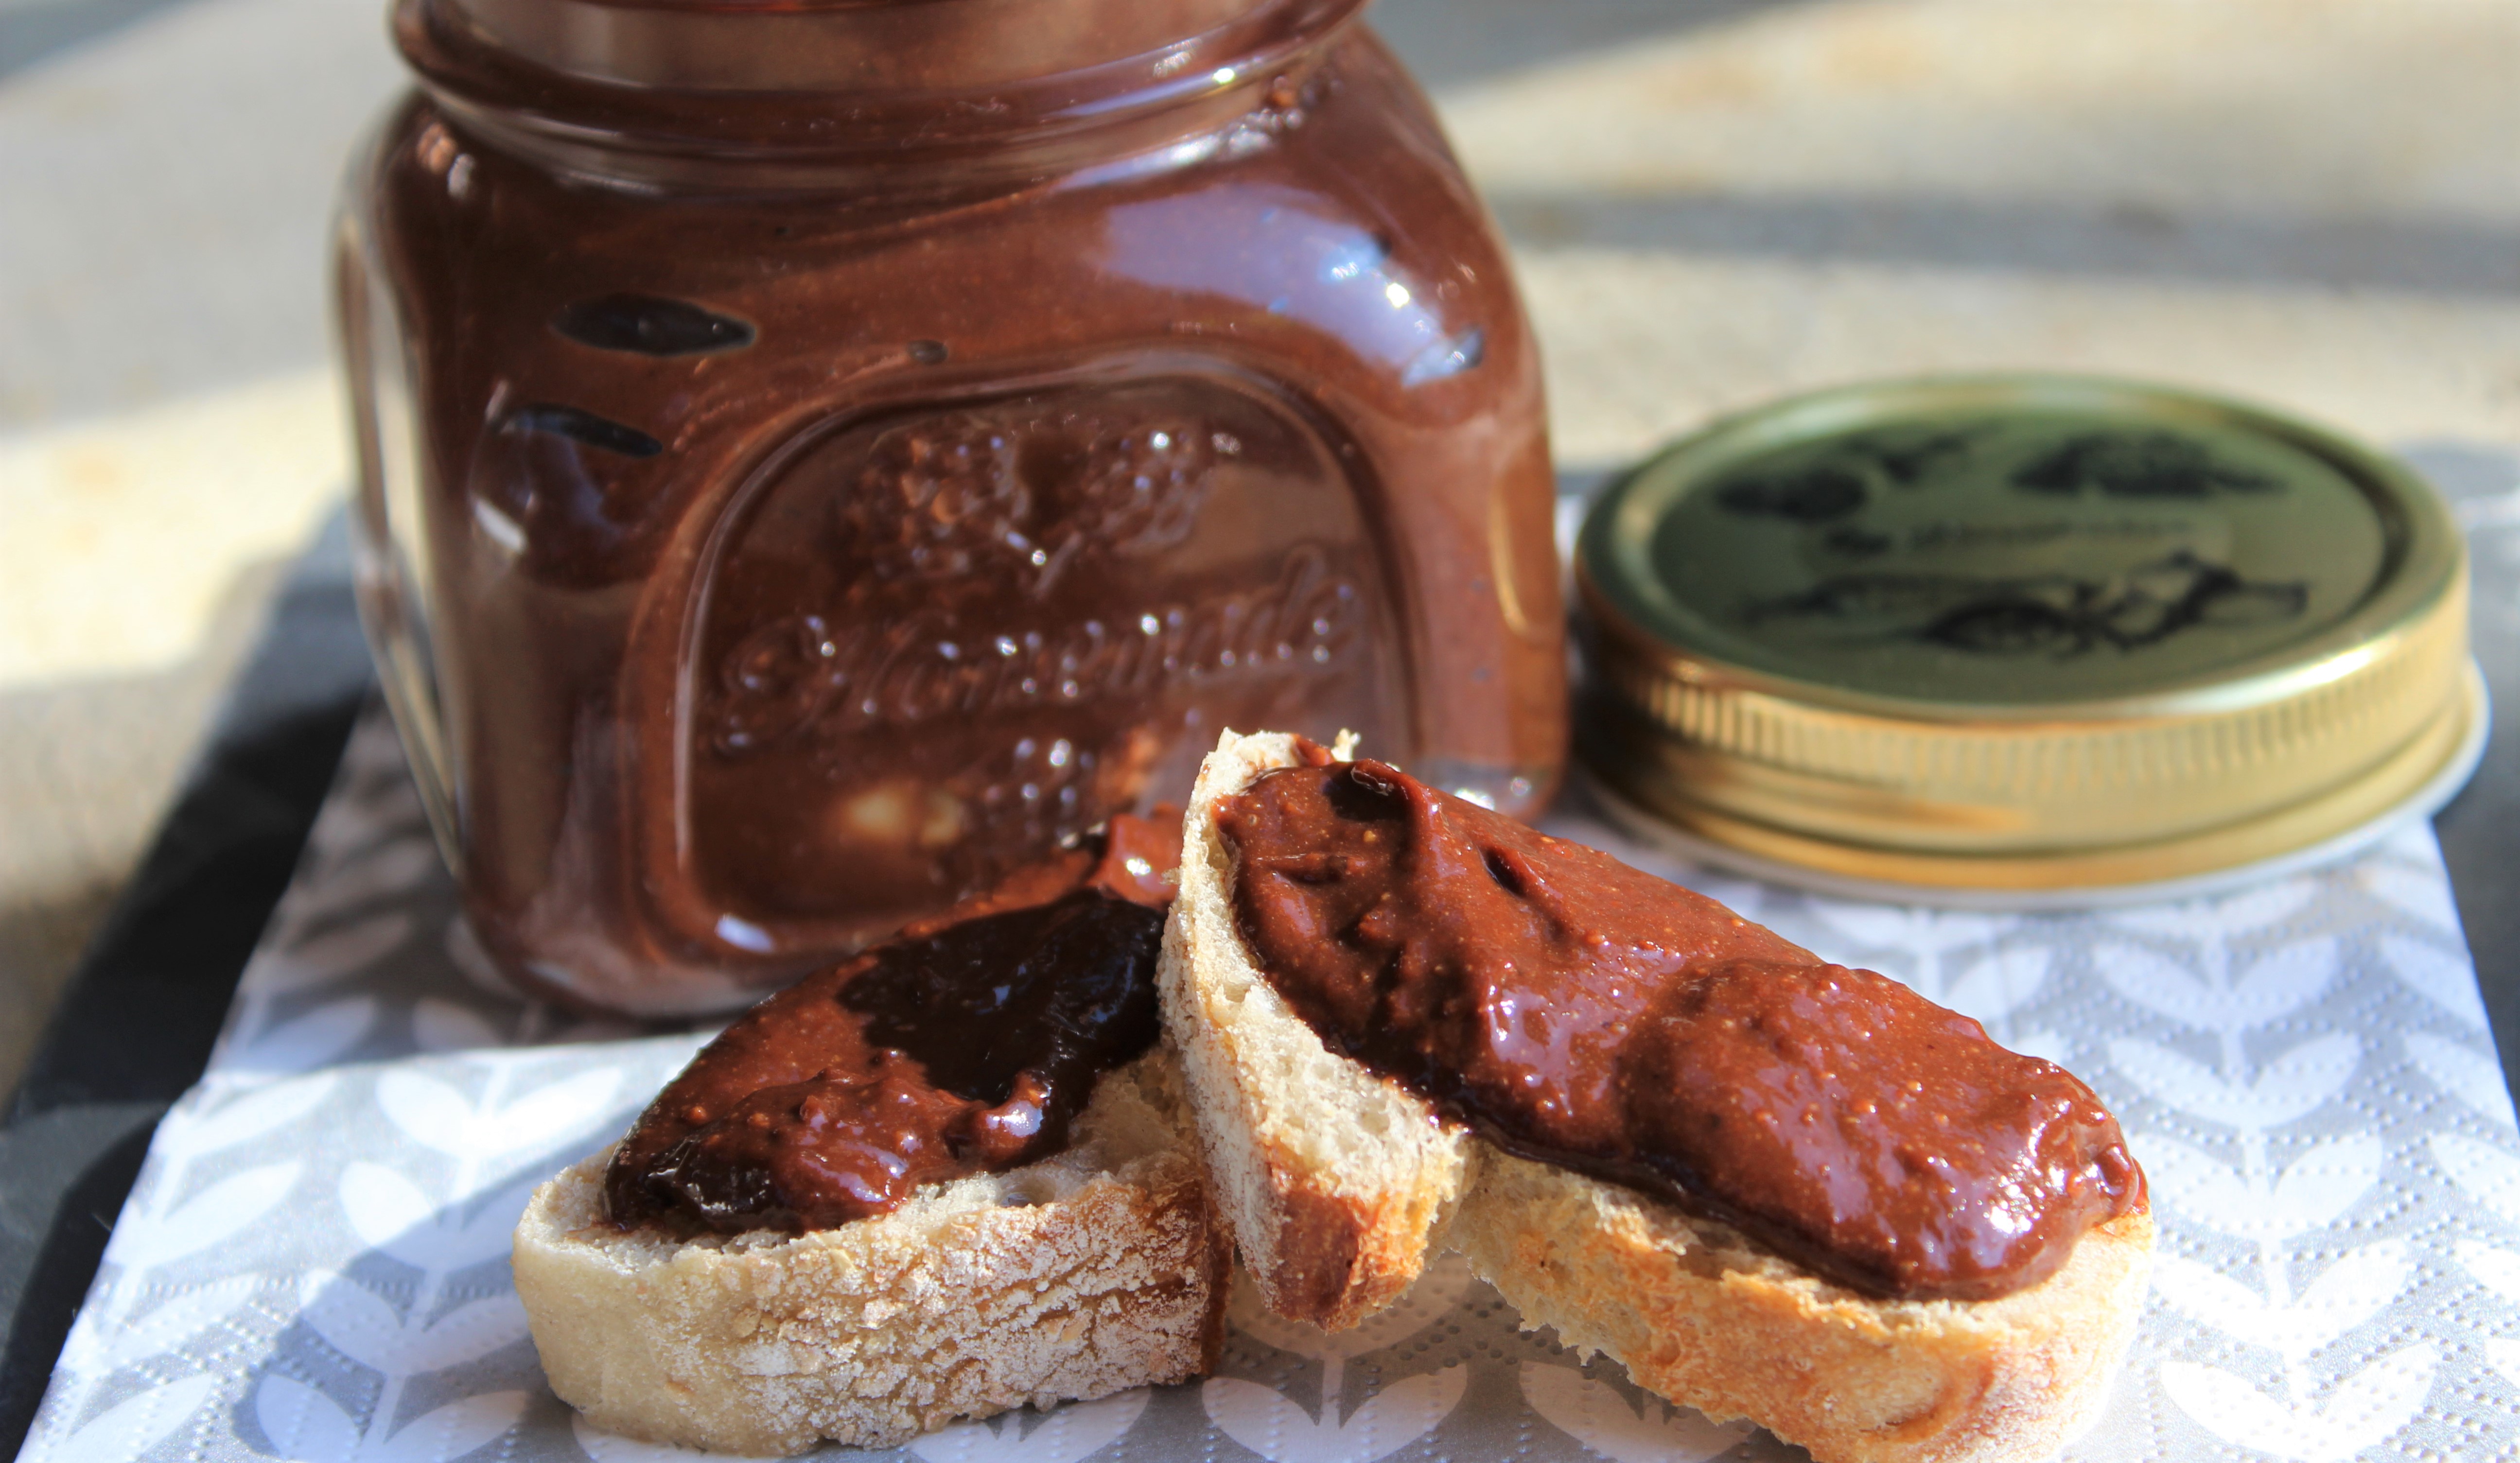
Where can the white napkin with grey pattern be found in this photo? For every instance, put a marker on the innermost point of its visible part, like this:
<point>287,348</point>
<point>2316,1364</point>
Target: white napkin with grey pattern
<point>313,1263</point>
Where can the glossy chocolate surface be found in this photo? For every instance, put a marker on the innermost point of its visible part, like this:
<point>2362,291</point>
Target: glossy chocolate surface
<point>967,1046</point>
<point>1586,1014</point>
<point>787,512</point>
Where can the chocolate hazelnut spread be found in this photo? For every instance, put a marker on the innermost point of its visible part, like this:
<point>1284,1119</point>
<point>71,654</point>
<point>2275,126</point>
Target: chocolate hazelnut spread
<point>969,1044</point>
<point>1583,1013</point>
<point>816,458</point>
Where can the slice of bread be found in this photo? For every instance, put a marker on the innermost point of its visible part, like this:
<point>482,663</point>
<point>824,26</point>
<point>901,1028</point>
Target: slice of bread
<point>1698,1313</point>
<point>1338,1183</point>
<point>1335,1184</point>
<point>1084,1274</point>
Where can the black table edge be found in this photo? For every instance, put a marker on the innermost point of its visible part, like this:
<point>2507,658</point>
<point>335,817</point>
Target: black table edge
<point>138,1018</point>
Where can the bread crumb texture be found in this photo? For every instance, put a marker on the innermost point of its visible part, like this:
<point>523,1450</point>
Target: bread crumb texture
<point>1085,1274</point>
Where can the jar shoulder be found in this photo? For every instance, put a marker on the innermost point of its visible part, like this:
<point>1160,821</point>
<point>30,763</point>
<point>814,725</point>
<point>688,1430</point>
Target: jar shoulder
<point>1338,231</point>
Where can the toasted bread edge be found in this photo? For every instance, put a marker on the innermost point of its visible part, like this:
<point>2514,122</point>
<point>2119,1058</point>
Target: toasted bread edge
<point>1334,1184</point>
<point>1094,1271</point>
<point>1703,1316</point>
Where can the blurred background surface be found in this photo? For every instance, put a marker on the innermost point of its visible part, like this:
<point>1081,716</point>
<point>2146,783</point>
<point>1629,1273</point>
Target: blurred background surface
<point>2312,203</point>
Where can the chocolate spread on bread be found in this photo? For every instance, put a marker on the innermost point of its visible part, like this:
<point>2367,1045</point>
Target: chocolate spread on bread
<point>968,1045</point>
<point>1580,1012</point>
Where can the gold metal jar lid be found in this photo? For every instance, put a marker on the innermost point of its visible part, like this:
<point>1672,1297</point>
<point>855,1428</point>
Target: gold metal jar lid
<point>2023,633</point>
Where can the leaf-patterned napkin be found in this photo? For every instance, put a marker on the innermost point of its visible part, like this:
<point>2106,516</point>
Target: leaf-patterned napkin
<point>313,1263</point>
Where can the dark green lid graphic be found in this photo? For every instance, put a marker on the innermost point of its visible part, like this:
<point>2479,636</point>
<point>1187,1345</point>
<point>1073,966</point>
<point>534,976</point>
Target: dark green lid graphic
<point>1999,542</point>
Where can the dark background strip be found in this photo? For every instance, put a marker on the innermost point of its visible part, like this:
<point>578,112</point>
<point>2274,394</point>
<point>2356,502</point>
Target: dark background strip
<point>136,1023</point>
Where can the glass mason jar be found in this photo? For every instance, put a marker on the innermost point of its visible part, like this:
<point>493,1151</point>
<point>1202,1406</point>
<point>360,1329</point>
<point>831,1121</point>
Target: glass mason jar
<point>816,457</point>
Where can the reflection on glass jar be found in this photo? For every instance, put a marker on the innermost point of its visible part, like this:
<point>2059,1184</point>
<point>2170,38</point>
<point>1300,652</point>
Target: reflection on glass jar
<point>816,460</point>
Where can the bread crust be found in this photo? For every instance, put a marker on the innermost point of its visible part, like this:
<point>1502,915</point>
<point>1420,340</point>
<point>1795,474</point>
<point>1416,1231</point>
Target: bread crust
<point>1699,1314</point>
<point>1696,1312</point>
<point>1090,1272</point>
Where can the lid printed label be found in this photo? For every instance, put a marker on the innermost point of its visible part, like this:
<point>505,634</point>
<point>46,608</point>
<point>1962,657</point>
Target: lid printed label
<point>2085,556</point>
<point>2053,614</point>
<point>2137,465</point>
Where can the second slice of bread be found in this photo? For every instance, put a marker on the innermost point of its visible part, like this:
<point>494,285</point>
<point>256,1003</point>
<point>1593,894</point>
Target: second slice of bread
<point>1090,1272</point>
<point>1333,1182</point>
<point>1337,1185</point>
